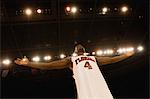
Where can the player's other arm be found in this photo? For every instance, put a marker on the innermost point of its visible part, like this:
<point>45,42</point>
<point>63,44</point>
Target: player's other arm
<point>58,64</point>
<point>109,60</point>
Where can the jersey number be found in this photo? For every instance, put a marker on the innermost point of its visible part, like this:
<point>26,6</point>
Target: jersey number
<point>87,64</point>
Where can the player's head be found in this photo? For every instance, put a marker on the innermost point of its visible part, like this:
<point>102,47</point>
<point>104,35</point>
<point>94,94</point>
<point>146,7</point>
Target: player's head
<point>79,49</point>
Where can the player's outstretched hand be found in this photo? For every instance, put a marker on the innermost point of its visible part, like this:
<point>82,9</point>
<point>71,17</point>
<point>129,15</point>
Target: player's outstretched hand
<point>23,61</point>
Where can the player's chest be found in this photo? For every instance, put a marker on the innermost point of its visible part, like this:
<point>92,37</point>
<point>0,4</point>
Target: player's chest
<point>84,62</point>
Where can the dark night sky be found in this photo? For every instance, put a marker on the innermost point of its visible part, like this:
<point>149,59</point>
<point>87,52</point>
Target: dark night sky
<point>19,31</point>
<point>56,32</point>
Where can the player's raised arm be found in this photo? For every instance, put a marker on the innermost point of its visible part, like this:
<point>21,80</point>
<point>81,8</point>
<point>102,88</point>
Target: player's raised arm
<point>109,60</point>
<point>58,64</point>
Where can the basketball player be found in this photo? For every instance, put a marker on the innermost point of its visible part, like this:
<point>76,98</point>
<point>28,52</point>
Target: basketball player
<point>89,80</point>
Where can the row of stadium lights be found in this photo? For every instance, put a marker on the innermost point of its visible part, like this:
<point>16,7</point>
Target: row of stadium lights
<point>71,10</point>
<point>29,11</point>
<point>119,51</point>
<point>46,58</point>
<point>98,53</point>
<point>104,10</point>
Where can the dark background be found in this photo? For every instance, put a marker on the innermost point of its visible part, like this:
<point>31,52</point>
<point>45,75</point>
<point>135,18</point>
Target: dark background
<point>55,32</point>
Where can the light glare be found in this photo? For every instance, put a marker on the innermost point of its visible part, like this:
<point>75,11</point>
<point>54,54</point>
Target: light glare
<point>68,9</point>
<point>73,9</point>
<point>124,9</point>
<point>130,49</point>
<point>39,11</point>
<point>24,59</point>
<point>140,48</point>
<point>74,54</point>
<point>6,61</point>
<point>36,59</point>
<point>105,52</point>
<point>99,52</point>
<point>85,54</point>
<point>109,52</point>
<point>62,56</point>
<point>93,53</point>
<point>47,58</point>
<point>28,11</point>
<point>121,50</point>
<point>105,9</point>
<point>124,50</point>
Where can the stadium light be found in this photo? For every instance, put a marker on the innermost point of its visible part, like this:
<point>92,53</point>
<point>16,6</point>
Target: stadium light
<point>62,56</point>
<point>39,11</point>
<point>24,59</point>
<point>124,50</point>
<point>85,54</point>
<point>130,49</point>
<point>28,11</point>
<point>47,58</point>
<point>99,52</point>
<point>105,52</point>
<point>6,62</point>
<point>140,48</point>
<point>121,50</point>
<point>74,9</point>
<point>104,10</point>
<point>109,52</point>
<point>124,9</point>
<point>36,59</point>
<point>93,53</point>
<point>74,54</point>
<point>68,9</point>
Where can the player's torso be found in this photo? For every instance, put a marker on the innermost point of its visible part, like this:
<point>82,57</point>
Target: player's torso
<point>84,64</point>
<point>89,80</point>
